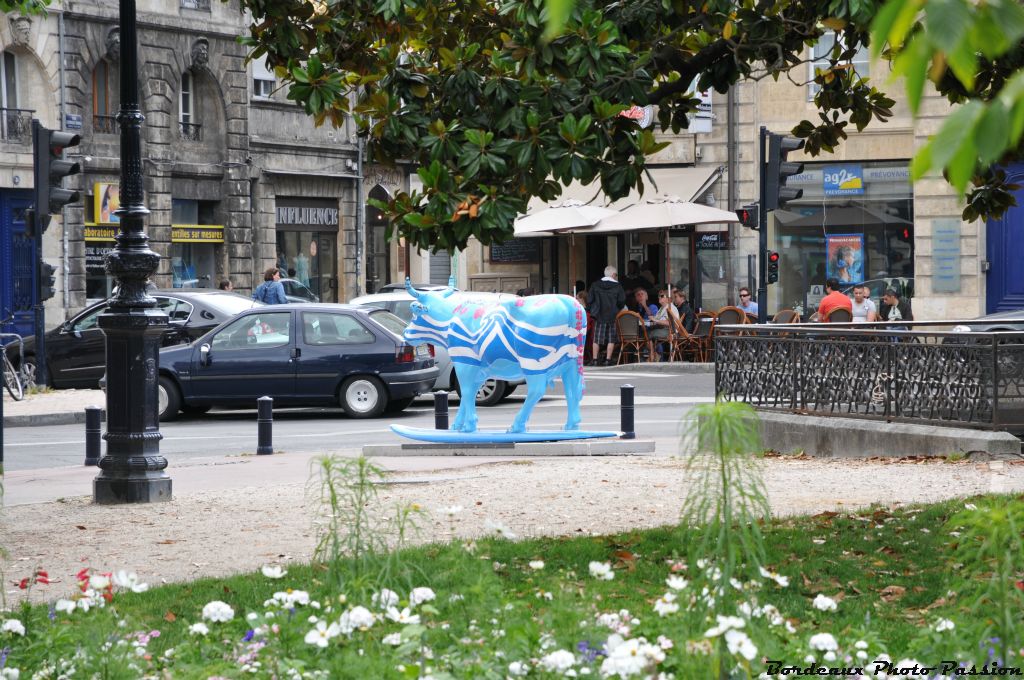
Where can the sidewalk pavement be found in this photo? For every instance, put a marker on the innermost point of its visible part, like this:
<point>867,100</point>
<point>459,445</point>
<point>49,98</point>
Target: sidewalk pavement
<point>67,407</point>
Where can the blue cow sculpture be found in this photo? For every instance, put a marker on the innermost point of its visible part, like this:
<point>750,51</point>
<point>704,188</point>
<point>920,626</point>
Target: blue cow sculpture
<point>539,338</point>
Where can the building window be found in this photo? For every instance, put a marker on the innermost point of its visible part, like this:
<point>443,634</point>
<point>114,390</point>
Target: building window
<point>15,123</point>
<point>103,120</point>
<point>190,130</point>
<point>820,54</point>
<point>262,79</point>
<point>196,4</point>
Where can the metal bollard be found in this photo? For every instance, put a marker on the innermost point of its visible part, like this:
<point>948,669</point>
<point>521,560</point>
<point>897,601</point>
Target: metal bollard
<point>440,410</point>
<point>92,435</point>
<point>628,412</point>
<point>265,426</point>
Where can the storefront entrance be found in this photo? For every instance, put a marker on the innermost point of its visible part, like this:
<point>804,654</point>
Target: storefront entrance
<point>307,244</point>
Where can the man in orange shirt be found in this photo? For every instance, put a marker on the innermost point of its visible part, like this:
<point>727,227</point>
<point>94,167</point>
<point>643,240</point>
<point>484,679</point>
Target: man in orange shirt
<point>834,300</point>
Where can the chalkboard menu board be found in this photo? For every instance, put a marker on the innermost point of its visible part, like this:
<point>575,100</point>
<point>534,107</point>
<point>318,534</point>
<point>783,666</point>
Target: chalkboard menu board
<point>516,250</point>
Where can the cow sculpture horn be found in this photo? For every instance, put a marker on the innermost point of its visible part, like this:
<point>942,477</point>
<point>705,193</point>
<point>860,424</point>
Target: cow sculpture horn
<point>412,291</point>
<point>451,286</point>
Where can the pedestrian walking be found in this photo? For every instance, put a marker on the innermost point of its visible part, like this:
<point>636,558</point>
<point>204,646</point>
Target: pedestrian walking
<point>271,291</point>
<point>607,298</point>
<point>226,285</point>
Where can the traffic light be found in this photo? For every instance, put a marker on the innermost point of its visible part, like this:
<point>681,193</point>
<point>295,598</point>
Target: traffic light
<point>47,281</point>
<point>50,169</point>
<point>772,271</point>
<point>747,215</point>
<point>777,194</point>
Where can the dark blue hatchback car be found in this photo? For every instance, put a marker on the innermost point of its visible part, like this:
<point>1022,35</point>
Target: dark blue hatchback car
<point>301,355</point>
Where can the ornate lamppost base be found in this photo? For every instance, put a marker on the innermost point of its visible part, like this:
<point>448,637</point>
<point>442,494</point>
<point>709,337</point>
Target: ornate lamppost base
<point>151,487</point>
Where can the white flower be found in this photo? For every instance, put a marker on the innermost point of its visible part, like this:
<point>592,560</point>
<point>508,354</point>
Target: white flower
<point>356,618</point>
<point>602,571</point>
<point>99,582</point>
<point>518,669</point>
<point>288,598</point>
<point>943,625</point>
<point>453,510</point>
<point>537,565</point>
<point>630,657</point>
<point>725,623</point>
<point>322,634</point>
<point>861,654</point>
<point>825,604</point>
<point>64,606</point>
<point>129,581</point>
<point>970,506</point>
<point>420,595</point>
<point>13,626</point>
<point>198,629</point>
<point>218,611</point>
<point>665,643</point>
<point>666,605</point>
<point>9,673</point>
<point>494,527</point>
<point>860,644</point>
<point>676,582</point>
<point>384,599</point>
<point>739,643</point>
<point>393,639</point>
<point>273,571</point>
<point>558,661</point>
<point>824,642</point>
<point>405,617</point>
<point>778,578</point>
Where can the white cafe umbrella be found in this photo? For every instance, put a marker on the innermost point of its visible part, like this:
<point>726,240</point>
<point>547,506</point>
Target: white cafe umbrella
<point>659,213</point>
<point>565,218</point>
<point>560,218</point>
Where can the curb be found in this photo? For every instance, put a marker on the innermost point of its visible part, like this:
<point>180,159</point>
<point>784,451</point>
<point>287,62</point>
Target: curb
<point>678,368</point>
<point>582,447</point>
<point>44,419</point>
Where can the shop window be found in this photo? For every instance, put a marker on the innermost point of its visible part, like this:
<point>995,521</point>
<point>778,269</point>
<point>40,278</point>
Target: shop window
<point>820,54</point>
<point>193,264</point>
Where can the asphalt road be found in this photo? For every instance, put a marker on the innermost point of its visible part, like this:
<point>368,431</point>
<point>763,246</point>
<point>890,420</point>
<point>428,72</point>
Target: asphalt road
<point>660,402</point>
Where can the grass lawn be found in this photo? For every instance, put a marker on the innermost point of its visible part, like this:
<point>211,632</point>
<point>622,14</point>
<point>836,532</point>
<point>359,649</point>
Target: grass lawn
<point>892,576</point>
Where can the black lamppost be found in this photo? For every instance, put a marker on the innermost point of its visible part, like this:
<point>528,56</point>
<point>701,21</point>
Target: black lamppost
<point>132,471</point>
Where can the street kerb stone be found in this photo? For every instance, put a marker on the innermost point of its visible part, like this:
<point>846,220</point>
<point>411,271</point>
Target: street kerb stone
<point>604,447</point>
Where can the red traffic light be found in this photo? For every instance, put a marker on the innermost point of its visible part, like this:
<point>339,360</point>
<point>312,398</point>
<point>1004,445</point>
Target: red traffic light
<point>773,257</point>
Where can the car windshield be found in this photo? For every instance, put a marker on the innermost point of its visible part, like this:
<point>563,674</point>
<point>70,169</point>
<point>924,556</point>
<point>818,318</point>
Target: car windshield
<point>389,321</point>
<point>230,304</point>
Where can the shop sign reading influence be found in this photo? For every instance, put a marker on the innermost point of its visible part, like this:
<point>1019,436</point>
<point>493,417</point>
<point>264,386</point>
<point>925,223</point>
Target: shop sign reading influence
<point>843,180</point>
<point>303,216</point>
<point>197,233</point>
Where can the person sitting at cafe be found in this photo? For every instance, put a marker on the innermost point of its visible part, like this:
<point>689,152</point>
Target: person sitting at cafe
<point>833,300</point>
<point>893,308</point>
<point>747,303</point>
<point>684,310</point>
<point>662,323</point>
<point>640,305</point>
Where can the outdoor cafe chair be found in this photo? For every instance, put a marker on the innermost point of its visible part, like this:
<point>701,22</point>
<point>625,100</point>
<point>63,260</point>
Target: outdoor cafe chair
<point>682,342</point>
<point>632,334</point>
<point>786,316</point>
<point>839,315</point>
<point>704,333</point>
<point>731,316</point>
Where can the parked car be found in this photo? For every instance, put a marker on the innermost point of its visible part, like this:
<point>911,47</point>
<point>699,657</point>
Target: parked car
<point>399,302</point>
<point>392,287</point>
<point>301,355</point>
<point>1000,321</point>
<point>76,350</point>
<point>297,291</point>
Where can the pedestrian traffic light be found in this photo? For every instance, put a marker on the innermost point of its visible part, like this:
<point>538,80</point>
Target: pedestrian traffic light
<point>47,281</point>
<point>777,194</point>
<point>747,215</point>
<point>772,270</point>
<point>50,169</point>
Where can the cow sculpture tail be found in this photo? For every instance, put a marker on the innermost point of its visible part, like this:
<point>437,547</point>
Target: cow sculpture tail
<point>579,322</point>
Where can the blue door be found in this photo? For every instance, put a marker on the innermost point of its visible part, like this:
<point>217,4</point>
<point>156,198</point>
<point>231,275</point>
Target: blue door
<point>17,264</point>
<point>1005,252</point>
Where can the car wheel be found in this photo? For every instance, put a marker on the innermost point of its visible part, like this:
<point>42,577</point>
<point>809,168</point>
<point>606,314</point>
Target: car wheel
<point>399,405</point>
<point>363,397</point>
<point>509,389</point>
<point>27,372</point>
<point>168,399</point>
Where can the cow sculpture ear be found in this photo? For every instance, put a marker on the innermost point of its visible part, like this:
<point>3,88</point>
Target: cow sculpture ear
<point>451,286</point>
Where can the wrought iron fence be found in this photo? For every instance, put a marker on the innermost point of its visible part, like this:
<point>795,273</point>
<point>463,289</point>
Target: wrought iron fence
<point>926,373</point>
<point>106,125</point>
<point>16,125</point>
<point>191,132</point>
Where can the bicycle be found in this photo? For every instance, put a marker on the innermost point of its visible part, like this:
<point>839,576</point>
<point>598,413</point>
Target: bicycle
<point>11,376</point>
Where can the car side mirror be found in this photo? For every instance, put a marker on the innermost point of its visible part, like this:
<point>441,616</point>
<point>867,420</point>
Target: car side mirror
<point>204,355</point>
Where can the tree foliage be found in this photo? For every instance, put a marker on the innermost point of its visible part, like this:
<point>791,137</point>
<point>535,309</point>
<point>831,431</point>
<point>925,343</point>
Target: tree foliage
<point>491,113</point>
<point>24,6</point>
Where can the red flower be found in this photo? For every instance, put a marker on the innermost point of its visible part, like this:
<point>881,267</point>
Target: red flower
<point>23,583</point>
<point>43,578</point>
<point>1020,585</point>
<point>83,575</point>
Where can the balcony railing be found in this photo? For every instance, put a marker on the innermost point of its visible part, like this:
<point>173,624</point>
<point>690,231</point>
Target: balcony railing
<point>878,371</point>
<point>191,132</point>
<point>196,4</point>
<point>106,125</point>
<point>16,125</point>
